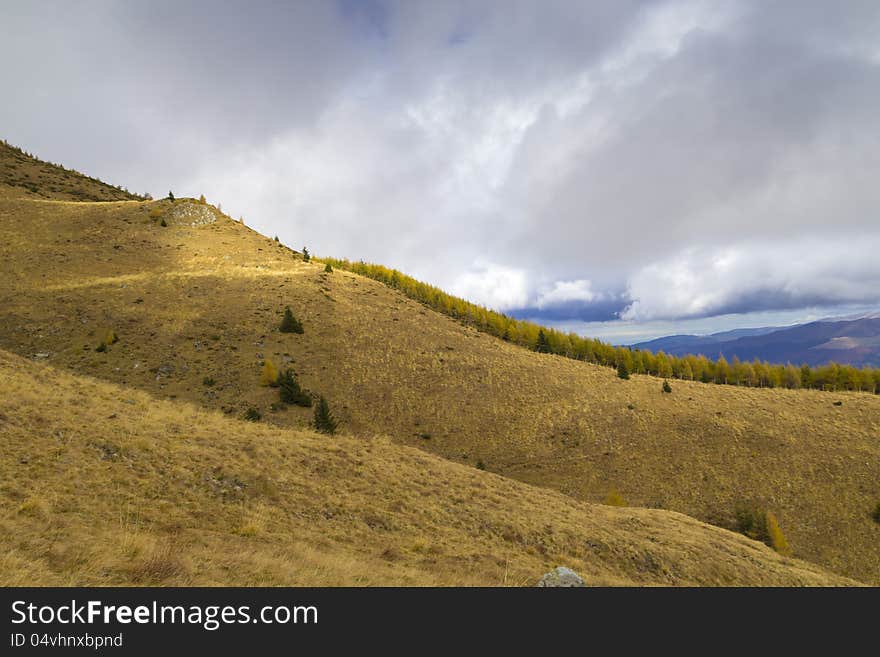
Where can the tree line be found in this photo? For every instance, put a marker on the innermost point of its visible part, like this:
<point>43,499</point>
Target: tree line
<point>756,373</point>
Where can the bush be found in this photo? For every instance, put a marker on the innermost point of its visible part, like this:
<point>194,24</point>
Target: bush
<point>289,323</point>
<point>101,348</point>
<point>615,499</point>
<point>761,525</point>
<point>208,382</point>
<point>777,539</point>
<point>252,415</point>
<point>324,420</point>
<point>666,387</point>
<point>480,464</point>
<point>622,370</point>
<point>290,392</point>
<point>269,375</point>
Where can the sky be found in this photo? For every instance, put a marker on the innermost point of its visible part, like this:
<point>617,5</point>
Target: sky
<point>623,169</point>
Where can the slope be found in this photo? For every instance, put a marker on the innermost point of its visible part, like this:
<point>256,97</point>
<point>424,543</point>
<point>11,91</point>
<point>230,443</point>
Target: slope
<point>202,297</point>
<point>104,485</point>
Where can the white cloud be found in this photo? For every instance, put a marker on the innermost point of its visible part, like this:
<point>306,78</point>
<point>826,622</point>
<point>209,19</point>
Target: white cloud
<point>564,292</point>
<point>493,286</point>
<point>758,276</point>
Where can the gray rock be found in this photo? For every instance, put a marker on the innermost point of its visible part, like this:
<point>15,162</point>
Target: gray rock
<point>562,576</point>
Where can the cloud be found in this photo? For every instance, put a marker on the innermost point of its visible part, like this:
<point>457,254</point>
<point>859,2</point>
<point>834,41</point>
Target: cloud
<point>564,292</point>
<point>493,286</point>
<point>714,281</point>
<point>547,158</point>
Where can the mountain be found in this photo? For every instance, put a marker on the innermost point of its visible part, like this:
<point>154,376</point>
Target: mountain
<point>176,306</point>
<point>851,341</point>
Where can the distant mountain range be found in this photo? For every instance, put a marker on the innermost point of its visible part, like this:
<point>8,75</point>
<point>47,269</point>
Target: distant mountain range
<point>854,341</point>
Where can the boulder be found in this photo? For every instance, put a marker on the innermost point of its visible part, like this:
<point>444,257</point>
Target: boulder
<point>561,576</point>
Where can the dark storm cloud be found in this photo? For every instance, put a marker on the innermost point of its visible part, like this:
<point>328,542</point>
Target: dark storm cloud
<point>693,158</point>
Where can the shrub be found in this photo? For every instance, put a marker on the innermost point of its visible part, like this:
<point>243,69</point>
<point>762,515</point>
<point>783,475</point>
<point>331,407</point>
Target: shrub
<point>290,392</point>
<point>324,420</point>
<point>328,269</point>
<point>761,525</point>
<point>269,375</point>
<point>289,323</point>
<point>622,370</point>
<point>101,348</point>
<point>751,521</point>
<point>615,499</point>
<point>208,382</point>
<point>480,464</point>
<point>876,513</point>
<point>252,415</point>
<point>666,387</point>
<point>776,539</point>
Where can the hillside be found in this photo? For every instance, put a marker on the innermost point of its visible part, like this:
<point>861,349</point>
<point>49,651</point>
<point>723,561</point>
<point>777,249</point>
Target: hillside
<point>853,341</point>
<point>104,485</point>
<point>22,175</point>
<point>194,301</point>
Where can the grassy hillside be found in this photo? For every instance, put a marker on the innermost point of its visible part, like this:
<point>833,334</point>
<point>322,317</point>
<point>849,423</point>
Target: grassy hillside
<point>202,297</point>
<point>22,175</point>
<point>104,485</point>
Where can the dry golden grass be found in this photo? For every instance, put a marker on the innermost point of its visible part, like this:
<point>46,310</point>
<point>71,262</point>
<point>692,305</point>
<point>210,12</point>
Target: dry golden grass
<point>193,302</point>
<point>104,485</point>
<point>23,176</point>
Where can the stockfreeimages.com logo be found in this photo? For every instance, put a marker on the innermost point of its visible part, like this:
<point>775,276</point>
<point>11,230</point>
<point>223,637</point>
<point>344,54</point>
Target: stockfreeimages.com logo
<point>210,617</point>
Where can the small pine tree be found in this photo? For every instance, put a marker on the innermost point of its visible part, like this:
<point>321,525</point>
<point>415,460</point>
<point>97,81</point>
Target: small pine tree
<point>328,269</point>
<point>289,323</point>
<point>202,199</point>
<point>269,376</point>
<point>324,420</point>
<point>276,239</point>
<point>163,223</point>
<point>306,256</point>
<point>289,390</point>
<point>622,370</point>
<point>876,514</point>
<point>170,195</point>
<point>542,345</point>
<point>666,387</point>
<point>775,538</point>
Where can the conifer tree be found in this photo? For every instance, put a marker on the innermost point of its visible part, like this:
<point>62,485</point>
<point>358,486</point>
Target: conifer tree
<point>542,345</point>
<point>328,269</point>
<point>170,195</point>
<point>269,375</point>
<point>289,323</point>
<point>324,420</point>
<point>622,370</point>
<point>306,256</point>
<point>666,387</point>
<point>290,391</point>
